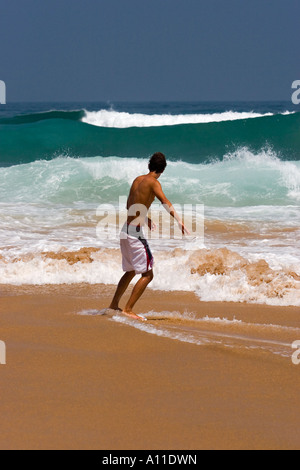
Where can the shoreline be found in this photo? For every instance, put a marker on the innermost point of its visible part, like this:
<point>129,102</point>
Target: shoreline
<point>99,295</point>
<point>86,382</point>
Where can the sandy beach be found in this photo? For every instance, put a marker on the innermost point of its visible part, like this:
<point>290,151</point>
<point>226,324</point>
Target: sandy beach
<point>90,382</point>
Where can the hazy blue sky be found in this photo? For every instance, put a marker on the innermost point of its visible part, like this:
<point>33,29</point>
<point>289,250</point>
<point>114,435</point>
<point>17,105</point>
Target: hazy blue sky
<point>144,50</point>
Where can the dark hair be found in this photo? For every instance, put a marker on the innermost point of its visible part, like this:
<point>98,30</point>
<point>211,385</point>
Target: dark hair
<point>158,163</point>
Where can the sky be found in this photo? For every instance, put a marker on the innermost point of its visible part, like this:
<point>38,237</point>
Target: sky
<point>149,50</point>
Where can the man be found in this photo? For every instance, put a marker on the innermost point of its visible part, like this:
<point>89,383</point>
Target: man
<point>137,257</point>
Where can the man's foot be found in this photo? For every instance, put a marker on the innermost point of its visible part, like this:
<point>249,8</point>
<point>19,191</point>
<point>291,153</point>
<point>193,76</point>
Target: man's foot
<point>134,316</point>
<point>115,308</point>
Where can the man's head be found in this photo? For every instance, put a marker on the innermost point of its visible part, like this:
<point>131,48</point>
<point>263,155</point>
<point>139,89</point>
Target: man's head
<point>157,163</point>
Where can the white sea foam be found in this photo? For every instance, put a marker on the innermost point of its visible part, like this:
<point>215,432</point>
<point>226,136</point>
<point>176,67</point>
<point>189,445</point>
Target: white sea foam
<point>104,118</point>
<point>93,313</point>
<point>219,332</point>
<point>161,332</point>
<point>229,324</point>
<point>172,273</point>
<point>242,179</point>
<point>51,206</point>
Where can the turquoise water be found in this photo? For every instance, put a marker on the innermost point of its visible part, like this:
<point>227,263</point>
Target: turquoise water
<point>241,179</point>
<point>221,154</point>
<point>58,162</point>
<point>46,135</point>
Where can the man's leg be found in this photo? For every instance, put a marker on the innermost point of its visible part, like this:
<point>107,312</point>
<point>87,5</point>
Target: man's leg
<point>137,292</point>
<point>122,287</point>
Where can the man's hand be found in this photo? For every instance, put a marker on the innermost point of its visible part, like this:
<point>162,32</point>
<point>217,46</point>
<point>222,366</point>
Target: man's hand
<point>183,229</point>
<point>152,225</point>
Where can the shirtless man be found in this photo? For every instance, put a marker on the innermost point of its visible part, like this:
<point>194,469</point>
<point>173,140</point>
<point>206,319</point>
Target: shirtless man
<point>137,256</point>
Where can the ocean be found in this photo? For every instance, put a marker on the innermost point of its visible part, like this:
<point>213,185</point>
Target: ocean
<point>60,161</point>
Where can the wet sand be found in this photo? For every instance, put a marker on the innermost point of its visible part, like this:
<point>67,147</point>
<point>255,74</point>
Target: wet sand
<point>87,382</point>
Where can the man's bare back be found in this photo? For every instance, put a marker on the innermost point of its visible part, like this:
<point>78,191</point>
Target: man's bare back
<point>142,194</point>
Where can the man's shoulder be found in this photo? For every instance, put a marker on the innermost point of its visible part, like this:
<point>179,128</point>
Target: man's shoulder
<point>148,181</point>
<point>144,178</point>
<point>137,181</point>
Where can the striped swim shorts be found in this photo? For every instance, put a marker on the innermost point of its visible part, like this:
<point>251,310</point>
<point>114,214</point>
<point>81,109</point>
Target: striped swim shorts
<point>135,250</point>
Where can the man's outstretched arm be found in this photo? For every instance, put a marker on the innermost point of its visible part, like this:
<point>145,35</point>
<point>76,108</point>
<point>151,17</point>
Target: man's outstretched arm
<point>169,206</point>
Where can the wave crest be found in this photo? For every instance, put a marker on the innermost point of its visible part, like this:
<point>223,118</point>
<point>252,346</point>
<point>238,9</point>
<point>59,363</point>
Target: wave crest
<point>242,179</point>
<point>46,138</point>
<point>122,120</point>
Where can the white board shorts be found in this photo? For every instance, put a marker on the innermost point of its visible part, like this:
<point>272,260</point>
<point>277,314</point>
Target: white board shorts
<point>136,253</point>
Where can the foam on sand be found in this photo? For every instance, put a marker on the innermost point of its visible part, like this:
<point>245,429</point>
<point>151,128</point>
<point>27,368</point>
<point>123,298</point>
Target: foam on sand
<point>216,332</point>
